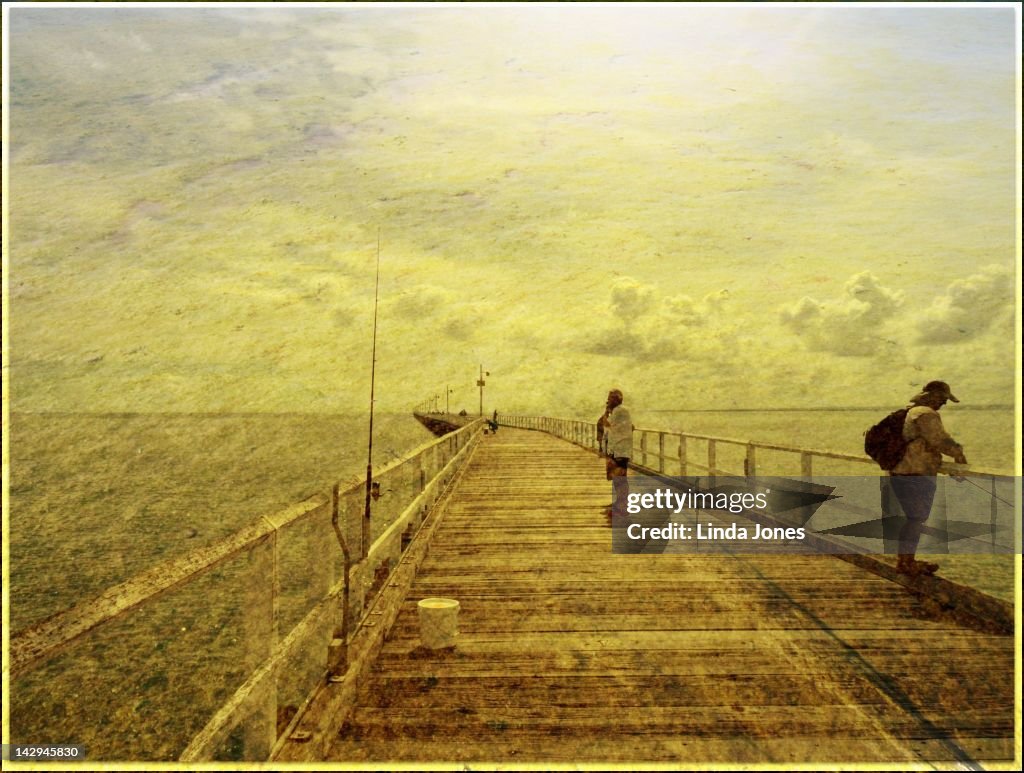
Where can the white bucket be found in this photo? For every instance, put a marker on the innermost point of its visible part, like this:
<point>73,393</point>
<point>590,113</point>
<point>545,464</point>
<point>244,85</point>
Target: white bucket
<point>439,622</point>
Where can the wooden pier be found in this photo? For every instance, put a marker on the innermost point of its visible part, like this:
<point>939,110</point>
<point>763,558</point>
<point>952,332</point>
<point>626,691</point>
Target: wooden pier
<point>305,621</point>
<point>568,653</point>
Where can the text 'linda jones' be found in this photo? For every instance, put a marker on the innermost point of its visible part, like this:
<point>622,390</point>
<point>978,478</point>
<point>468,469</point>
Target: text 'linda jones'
<point>735,502</point>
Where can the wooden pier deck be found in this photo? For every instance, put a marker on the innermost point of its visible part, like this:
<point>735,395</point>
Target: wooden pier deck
<point>568,653</point>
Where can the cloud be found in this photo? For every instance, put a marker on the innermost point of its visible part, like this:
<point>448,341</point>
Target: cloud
<point>850,326</point>
<point>646,328</point>
<point>630,299</point>
<point>969,307</point>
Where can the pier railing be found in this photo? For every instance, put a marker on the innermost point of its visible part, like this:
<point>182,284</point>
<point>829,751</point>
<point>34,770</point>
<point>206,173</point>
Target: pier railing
<point>213,656</point>
<point>685,454</point>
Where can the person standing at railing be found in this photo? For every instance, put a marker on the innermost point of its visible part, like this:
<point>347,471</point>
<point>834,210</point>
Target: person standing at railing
<point>618,436</point>
<point>913,479</point>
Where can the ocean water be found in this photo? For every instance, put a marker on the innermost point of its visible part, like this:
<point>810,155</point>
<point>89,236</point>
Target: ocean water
<point>98,498</point>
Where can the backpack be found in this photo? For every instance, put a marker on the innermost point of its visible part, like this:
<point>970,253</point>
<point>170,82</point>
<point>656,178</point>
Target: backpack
<point>884,442</point>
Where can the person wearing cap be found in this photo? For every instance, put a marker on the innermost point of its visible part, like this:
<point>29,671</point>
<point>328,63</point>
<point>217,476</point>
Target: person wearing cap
<point>618,435</point>
<point>913,478</point>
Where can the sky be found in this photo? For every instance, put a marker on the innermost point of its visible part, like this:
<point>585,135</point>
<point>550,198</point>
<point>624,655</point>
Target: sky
<point>705,206</point>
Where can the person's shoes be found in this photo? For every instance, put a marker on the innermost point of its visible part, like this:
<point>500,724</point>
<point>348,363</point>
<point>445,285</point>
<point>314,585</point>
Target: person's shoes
<point>908,565</point>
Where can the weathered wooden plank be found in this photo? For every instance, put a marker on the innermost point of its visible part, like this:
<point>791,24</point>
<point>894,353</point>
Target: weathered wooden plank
<point>703,721</point>
<point>598,750</point>
<point>626,691</point>
<point>612,663</point>
<point>568,613</point>
<point>991,651</point>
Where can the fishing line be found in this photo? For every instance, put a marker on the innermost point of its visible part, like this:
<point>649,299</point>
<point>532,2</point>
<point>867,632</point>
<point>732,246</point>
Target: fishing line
<point>994,496</point>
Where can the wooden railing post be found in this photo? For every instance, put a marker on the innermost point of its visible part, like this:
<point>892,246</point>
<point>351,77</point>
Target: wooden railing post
<point>806,464</point>
<point>643,448</point>
<point>750,462</point>
<point>938,517</point>
<point>994,510</point>
<point>712,461</point>
<point>661,452</point>
<point>682,456</point>
<point>275,589</point>
<point>261,735</point>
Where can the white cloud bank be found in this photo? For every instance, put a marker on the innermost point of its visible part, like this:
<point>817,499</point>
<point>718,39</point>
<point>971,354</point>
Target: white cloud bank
<point>969,308</point>
<point>850,326</point>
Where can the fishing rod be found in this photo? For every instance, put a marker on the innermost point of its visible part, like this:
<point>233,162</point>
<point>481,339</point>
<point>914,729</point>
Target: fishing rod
<point>373,372</point>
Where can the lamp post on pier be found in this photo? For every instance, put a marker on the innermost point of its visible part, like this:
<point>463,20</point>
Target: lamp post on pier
<point>480,383</point>
<point>447,391</point>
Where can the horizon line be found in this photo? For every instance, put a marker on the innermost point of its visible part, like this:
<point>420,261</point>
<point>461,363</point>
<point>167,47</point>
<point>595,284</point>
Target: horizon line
<point>984,406</point>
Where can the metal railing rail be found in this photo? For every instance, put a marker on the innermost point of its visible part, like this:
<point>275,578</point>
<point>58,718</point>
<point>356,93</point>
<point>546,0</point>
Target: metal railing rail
<point>668,451</point>
<point>410,485</point>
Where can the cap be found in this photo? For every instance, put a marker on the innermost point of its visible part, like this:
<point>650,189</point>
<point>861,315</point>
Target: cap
<point>940,388</point>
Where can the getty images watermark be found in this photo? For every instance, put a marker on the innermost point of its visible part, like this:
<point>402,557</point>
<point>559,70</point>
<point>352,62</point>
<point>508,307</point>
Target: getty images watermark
<point>818,515</point>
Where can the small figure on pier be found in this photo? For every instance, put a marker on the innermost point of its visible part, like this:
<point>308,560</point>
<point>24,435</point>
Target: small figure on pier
<point>493,421</point>
<point>618,440</point>
<point>913,478</point>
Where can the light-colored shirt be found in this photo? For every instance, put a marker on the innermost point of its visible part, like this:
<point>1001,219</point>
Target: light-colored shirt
<point>927,441</point>
<point>619,433</point>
